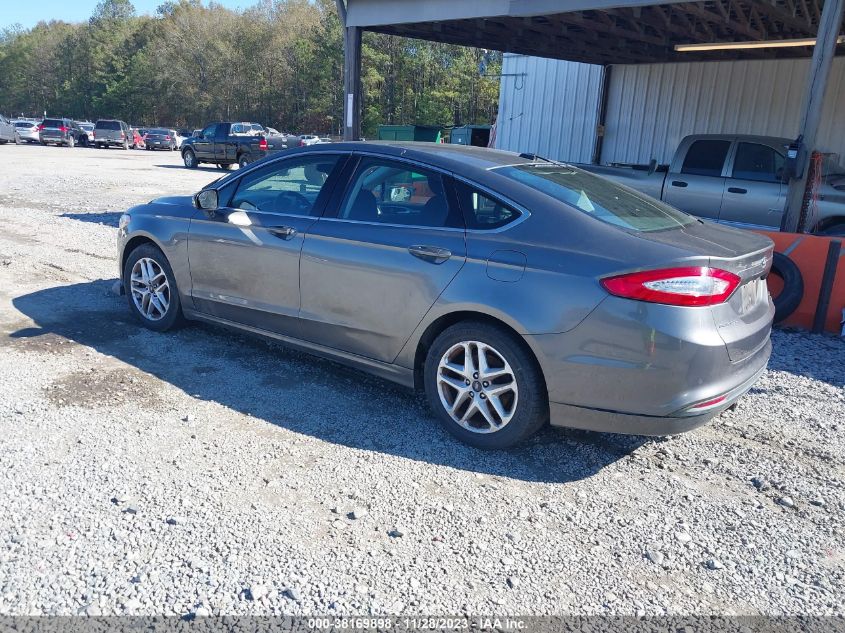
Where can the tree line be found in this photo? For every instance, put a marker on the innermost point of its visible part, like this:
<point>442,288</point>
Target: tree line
<point>279,62</point>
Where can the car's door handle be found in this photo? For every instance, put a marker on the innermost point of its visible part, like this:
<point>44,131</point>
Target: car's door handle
<point>433,254</point>
<point>284,232</point>
<point>737,190</point>
<point>679,183</point>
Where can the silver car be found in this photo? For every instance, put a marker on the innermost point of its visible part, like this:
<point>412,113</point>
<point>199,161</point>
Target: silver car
<point>27,131</point>
<point>514,292</point>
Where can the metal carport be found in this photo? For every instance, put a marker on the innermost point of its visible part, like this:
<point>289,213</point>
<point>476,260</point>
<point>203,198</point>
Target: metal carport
<point>615,32</point>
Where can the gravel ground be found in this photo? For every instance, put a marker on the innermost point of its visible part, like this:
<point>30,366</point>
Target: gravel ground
<point>201,472</point>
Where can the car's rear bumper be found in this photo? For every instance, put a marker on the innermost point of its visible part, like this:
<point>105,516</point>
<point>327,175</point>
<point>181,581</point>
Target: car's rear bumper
<point>605,421</point>
<point>633,367</point>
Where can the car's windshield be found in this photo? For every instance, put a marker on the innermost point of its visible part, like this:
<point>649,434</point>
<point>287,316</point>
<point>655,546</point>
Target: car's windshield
<point>597,197</point>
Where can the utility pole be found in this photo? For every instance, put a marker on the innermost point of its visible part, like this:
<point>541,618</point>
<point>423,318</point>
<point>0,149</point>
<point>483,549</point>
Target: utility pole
<point>351,77</point>
<point>823,52</point>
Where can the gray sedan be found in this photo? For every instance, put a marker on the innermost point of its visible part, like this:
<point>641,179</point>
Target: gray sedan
<point>513,291</point>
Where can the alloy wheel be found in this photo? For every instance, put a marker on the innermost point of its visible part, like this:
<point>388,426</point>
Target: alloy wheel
<point>477,387</point>
<point>150,289</point>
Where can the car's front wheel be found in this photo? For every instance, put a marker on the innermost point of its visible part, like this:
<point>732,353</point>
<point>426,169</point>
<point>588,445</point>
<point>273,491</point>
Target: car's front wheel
<point>484,385</point>
<point>189,158</point>
<point>151,290</point>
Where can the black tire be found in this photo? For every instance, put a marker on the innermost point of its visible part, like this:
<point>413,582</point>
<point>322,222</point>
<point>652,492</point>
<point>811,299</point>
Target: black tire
<point>532,405</point>
<point>173,317</point>
<point>243,161</point>
<point>190,159</point>
<point>70,142</point>
<point>837,229</point>
<point>18,139</point>
<point>793,286</point>
<point>126,144</point>
<point>224,166</point>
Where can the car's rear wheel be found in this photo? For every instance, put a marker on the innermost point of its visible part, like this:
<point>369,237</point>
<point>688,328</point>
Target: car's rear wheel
<point>484,385</point>
<point>70,141</point>
<point>189,158</point>
<point>17,139</point>
<point>151,290</point>
<point>243,161</point>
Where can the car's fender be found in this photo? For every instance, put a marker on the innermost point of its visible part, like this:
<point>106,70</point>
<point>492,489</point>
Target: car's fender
<point>169,232</point>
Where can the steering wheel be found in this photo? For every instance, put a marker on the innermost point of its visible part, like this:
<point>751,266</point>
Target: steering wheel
<point>293,202</point>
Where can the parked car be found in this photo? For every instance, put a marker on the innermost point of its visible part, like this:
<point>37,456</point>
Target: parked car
<point>308,139</point>
<point>226,144</point>
<point>108,132</point>
<point>27,131</point>
<point>732,179</point>
<point>512,291</point>
<point>8,134</point>
<point>160,138</point>
<point>88,128</point>
<point>61,132</point>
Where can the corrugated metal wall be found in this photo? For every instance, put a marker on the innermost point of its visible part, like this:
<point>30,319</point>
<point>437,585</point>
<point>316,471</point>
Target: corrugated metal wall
<point>652,107</point>
<point>550,109</point>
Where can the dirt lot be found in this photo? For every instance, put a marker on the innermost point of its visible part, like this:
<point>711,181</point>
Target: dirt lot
<point>201,472</point>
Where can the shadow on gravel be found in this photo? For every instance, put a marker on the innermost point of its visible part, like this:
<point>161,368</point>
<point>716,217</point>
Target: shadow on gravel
<point>109,218</point>
<point>300,392</point>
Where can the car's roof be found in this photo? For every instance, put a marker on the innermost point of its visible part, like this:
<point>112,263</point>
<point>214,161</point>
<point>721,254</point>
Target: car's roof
<point>445,155</point>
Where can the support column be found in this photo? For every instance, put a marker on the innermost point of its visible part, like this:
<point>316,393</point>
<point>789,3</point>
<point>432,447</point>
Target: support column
<point>352,84</point>
<point>823,52</point>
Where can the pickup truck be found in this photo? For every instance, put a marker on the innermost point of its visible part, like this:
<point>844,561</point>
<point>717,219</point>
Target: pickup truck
<point>733,179</point>
<point>226,144</point>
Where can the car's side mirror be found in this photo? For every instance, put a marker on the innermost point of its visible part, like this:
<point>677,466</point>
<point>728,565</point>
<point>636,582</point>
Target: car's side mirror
<point>207,200</point>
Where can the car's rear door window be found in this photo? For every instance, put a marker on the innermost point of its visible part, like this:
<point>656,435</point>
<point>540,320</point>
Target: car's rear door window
<point>482,211</point>
<point>291,186</point>
<point>706,158</point>
<point>392,192</point>
<point>598,197</point>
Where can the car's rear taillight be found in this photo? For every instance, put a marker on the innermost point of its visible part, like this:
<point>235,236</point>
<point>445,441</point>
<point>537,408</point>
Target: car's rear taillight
<point>40,127</point>
<point>684,286</point>
<point>166,138</point>
<point>63,129</point>
<point>301,143</point>
<point>93,133</point>
<point>262,144</point>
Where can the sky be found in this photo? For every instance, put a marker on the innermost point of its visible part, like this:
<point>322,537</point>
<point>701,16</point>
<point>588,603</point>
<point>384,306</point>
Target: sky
<point>29,14</point>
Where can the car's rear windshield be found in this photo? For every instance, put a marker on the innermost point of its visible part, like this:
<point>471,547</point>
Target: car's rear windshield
<point>159,132</point>
<point>52,123</point>
<point>597,197</point>
<point>108,125</point>
<point>23,124</point>
<point>86,126</point>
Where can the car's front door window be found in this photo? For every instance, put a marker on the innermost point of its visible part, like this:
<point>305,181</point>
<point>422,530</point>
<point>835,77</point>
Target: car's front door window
<point>290,187</point>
